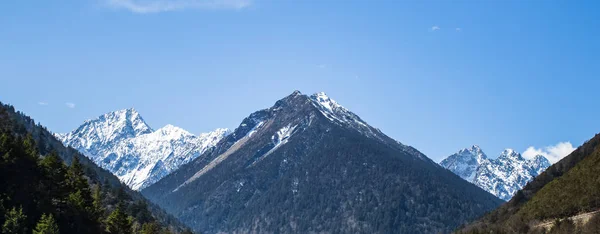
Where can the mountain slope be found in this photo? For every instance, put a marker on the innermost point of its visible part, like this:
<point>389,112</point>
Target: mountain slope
<point>502,176</point>
<point>307,164</point>
<point>113,192</point>
<point>124,144</point>
<point>566,188</point>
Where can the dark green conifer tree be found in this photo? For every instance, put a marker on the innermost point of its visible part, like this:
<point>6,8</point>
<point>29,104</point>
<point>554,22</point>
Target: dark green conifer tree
<point>46,225</point>
<point>118,222</point>
<point>15,222</point>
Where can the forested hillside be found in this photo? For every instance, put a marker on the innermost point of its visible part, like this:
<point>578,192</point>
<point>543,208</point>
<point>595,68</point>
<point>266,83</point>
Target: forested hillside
<point>47,188</point>
<point>567,188</point>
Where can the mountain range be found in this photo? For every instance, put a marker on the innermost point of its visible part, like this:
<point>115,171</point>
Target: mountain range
<point>124,144</point>
<point>502,176</point>
<point>307,164</point>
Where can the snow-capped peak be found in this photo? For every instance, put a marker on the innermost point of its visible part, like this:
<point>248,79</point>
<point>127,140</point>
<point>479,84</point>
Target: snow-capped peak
<point>112,126</point>
<point>340,115</point>
<point>218,131</point>
<point>502,176</point>
<point>123,123</point>
<point>124,144</point>
<point>173,132</point>
<point>541,163</point>
<point>325,101</point>
<point>465,162</point>
<point>510,154</point>
<point>473,148</point>
<point>128,118</point>
<point>473,151</point>
<point>540,158</point>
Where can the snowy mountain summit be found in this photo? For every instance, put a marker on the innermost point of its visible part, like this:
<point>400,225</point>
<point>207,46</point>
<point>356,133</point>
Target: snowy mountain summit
<point>124,144</point>
<point>503,176</point>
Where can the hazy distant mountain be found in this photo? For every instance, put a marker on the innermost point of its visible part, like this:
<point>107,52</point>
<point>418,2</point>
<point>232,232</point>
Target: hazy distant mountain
<point>124,144</point>
<point>307,164</point>
<point>502,176</point>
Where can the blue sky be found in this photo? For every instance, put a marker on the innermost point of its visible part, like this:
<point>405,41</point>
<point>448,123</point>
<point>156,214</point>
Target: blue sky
<point>437,75</point>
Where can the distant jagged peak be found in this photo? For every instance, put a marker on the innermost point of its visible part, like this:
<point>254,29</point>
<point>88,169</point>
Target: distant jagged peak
<point>473,148</point>
<point>470,155</point>
<point>540,158</point>
<point>108,127</point>
<point>172,132</point>
<point>122,119</point>
<point>511,155</point>
<point>474,151</point>
<point>123,143</point>
<point>502,176</point>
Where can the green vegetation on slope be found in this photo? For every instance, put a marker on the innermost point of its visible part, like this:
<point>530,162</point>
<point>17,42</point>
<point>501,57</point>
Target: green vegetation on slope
<point>566,188</point>
<point>40,193</point>
<point>576,191</point>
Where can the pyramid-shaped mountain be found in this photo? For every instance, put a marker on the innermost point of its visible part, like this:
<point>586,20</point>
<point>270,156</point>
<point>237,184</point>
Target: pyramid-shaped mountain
<point>307,164</point>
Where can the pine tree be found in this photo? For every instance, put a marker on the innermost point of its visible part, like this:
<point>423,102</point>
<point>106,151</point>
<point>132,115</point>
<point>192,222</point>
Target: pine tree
<point>76,175</point>
<point>81,195</point>
<point>98,206</point>
<point>80,202</point>
<point>46,225</point>
<point>118,222</point>
<point>54,167</point>
<point>30,147</point>
<point>15,222</point>
<point>54,183</point>
<point>140,212</point>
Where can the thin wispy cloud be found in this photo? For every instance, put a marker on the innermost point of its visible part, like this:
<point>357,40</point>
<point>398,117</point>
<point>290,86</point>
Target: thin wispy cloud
<point>42,103</point>
<point>70,105</point>
<point>434,28</point>
<point>155,6</point>
<point>458,29</point>
<point>322,66</point>
<point>553,153</point>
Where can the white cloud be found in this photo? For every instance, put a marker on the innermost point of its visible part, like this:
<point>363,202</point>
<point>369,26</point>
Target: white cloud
<point>70,105</point>
<point>553,153</point>
<point>155,6</point>
<point>42,103</point>
<point>434,28</point>
<point>458,29</point>
<point>322,66</point>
